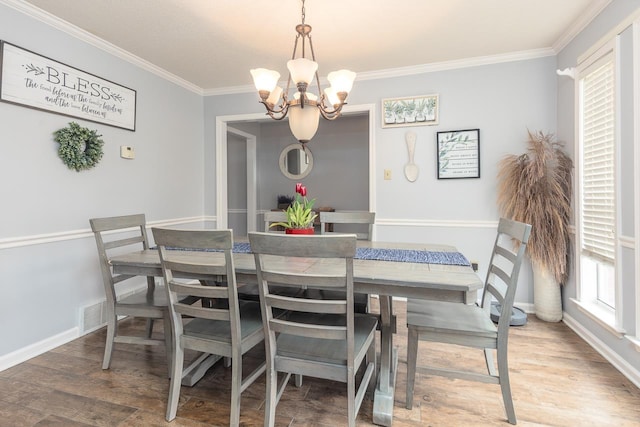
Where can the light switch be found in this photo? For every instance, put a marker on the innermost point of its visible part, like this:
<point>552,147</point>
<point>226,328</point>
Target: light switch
<point>127,152</point>
<point>387,174</point>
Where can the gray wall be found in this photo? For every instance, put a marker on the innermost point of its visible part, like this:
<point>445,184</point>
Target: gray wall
<point>502,100</point>
<point>48,261</point>
<point>340,173</point>
<point>620,351</point>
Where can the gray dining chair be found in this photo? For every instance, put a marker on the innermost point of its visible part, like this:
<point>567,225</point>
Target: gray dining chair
<point>224,325</point>
<point>360,221</point>
<point>471,325</point>
<point>319,338</point>
<point>112,235</point>
<point>273,216</point>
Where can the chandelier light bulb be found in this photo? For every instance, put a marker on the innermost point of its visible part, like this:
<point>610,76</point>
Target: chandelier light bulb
<point>274,96</point>
<point>265,80</point>
<point>332,96</point>
<point>342,80</point>
<point>302,70</point>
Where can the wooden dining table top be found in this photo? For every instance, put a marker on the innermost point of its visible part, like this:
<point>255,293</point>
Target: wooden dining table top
<point>395,278</point>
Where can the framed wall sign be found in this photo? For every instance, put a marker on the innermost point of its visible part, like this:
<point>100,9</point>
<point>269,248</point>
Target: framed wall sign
<point>459,154</point>
<point>411,111</point>
<point>36,81</point>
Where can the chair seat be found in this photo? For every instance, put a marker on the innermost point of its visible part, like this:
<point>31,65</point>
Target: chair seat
<point>157,299</point>
<point>322,350</point>
<point>220,330</point>
<point>452,318</point>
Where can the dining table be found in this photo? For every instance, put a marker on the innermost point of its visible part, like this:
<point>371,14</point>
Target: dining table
<point>386,269</point>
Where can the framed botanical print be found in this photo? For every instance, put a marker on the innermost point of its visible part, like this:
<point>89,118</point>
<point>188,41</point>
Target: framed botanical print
<point>459,154</point>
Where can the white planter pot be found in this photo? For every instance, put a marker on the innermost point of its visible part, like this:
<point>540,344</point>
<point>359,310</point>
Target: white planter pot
<point>547,299</point>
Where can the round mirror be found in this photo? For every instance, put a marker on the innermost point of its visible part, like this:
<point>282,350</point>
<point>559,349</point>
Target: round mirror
<point>296,161</point>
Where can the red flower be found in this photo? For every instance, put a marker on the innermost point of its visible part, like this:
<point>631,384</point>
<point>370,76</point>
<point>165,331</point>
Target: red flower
<point>303,191</point>
<point>298,187</point>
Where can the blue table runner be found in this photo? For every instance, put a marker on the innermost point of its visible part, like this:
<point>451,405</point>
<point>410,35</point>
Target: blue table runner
<point>383,254</point>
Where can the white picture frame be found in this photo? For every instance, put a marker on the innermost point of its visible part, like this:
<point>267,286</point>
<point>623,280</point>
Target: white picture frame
<point>35,81</point>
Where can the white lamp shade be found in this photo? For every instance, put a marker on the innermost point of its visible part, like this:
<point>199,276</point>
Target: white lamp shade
<point>274,96</point>
<point>302,69</point>
<point>265,79</point>
<point>332,96</point>
<point>303,122</point>
<point>342,80</point>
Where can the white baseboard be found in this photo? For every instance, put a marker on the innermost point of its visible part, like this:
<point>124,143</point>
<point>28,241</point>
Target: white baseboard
<point>612,357</point>
<point>36,349</point>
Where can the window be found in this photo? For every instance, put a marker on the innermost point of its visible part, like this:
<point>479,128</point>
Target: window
<point>597,184</point>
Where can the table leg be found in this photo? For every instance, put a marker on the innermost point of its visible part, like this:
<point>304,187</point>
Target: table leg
<point>384,394</point>
<point>199,367</point>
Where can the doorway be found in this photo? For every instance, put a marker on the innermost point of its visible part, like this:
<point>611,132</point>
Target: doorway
<point>241,179</point>
<point>223,123</point>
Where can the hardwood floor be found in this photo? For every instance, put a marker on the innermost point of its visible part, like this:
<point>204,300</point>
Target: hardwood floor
<point>557,380</point>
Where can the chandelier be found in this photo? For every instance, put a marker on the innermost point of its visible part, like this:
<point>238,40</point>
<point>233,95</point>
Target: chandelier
<point>305,108</point>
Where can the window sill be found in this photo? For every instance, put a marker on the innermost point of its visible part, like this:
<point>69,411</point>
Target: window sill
<point>603,317</point>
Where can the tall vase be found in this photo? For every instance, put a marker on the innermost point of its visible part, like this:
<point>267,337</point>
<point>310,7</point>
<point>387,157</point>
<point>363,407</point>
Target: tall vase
<point>547,299</point>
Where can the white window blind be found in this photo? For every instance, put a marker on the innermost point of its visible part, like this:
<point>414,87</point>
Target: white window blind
<point>598,159</point>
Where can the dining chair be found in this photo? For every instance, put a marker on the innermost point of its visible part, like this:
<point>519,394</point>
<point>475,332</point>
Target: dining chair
<point>471,325</point>
<point>355,221</point>
<point>319,338</point>
<point>353,218</point>
<point>112,235</point>
<point>225,326</point>
<point>273,216</point>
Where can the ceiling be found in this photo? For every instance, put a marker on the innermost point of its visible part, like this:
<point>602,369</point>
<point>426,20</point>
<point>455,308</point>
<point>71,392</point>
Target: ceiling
<point>212,44</point>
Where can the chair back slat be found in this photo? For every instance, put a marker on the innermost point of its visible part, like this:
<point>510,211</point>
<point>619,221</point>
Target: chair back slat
<point>123,242</point>
<point>328,332</point>
<point>201,312</point>
<point>354,218</point>
<point>197,290</point>
<point>307,305</point>
<point>316,281</point>
<point>189,269</point>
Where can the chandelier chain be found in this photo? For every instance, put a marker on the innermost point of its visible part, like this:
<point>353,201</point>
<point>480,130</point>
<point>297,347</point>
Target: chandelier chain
<point>303,12</point>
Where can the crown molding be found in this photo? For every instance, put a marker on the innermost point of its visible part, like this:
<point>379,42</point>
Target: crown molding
<point>456,64</point>
<point>580,24</point>
<point>80,34</point>
<point>417,69</point>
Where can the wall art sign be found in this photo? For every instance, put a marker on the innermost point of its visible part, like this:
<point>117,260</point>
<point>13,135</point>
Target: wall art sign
<point>35,81</point>
<point>410,111</point>
<point>459,154</point>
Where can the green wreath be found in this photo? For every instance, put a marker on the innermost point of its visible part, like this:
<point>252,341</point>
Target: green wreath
<point>80,148</point>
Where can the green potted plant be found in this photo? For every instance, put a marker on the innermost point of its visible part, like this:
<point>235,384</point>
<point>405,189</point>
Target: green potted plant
<point>300,214</point>
<point>535,188</point>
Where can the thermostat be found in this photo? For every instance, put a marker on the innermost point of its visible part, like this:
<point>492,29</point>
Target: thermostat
<point>127,152</point>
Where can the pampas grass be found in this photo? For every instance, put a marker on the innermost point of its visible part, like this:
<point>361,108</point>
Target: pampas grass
<point>535,188</point>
